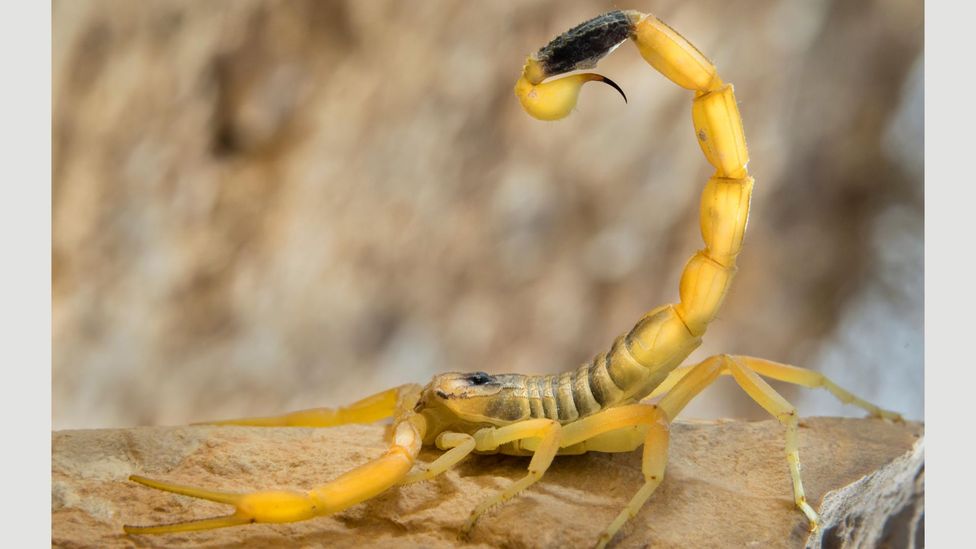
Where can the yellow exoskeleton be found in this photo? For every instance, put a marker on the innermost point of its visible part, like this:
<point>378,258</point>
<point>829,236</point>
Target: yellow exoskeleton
<point>604,405</point>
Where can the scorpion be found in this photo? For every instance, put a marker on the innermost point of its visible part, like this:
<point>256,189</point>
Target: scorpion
<point>604,405</point>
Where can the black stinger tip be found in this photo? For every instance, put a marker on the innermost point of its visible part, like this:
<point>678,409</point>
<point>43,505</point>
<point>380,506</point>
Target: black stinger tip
<point>613,85</point>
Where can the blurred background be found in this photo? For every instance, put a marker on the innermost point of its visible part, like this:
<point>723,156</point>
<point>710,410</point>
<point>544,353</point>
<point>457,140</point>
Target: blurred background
<point>260,206</point>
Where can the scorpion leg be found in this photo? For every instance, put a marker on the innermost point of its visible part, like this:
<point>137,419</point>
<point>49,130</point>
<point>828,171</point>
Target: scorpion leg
<point>693,381</point>
<point>372,408</point>
<point>707,371</point>
<point>778,407</point>
<point>790,374</point>
<point>611,427</point>
<point>811,379</point>
<point>458,446</point>
<point>490,438</point>
<point>669,382</point>
<point>746,371</point>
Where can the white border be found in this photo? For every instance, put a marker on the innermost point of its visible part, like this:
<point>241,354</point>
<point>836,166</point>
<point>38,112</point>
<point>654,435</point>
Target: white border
<point>950,369</point>
<point>25,285</point>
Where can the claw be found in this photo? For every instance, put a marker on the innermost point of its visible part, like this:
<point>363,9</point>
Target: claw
<point>278,506</point>
<point>190,525</point>
<point>230,498</point>
<point>268,506</point>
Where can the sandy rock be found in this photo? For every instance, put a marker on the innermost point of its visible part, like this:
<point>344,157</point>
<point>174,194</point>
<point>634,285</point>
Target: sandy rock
<point>727,485</point>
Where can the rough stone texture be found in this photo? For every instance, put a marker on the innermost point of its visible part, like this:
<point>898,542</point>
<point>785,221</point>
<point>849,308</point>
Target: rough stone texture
<point>727,485</point>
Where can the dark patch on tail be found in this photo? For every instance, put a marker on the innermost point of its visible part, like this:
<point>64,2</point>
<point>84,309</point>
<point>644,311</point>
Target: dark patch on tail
<point>583,45</point>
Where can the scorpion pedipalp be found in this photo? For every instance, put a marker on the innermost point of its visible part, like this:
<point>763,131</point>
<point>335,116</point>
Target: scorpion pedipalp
<point>360,484</point>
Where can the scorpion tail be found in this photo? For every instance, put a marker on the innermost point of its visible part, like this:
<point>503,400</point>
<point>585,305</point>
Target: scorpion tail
<point>555,99</point>
<point>578,48</point>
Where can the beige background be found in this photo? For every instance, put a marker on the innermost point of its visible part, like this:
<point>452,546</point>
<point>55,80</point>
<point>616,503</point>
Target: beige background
<point>261,206</point>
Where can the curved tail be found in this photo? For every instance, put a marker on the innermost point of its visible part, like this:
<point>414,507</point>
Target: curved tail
<point>664,337</point>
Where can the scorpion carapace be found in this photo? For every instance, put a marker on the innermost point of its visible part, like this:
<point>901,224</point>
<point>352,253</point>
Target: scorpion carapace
<point>604,405</point>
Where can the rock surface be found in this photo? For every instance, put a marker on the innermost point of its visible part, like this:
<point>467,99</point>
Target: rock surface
<point>727,485</point>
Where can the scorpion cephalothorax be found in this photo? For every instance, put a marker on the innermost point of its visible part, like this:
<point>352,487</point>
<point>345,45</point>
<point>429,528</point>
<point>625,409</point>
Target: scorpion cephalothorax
<point>604,404</point>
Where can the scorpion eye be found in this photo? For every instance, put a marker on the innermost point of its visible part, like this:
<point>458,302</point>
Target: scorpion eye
<point>479,378</point>
<point>441,394</point>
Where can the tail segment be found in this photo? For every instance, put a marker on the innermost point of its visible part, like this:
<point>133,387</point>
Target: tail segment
<point>664,337</point>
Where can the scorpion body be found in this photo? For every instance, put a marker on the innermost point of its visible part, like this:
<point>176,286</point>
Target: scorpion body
<point>603,405</point>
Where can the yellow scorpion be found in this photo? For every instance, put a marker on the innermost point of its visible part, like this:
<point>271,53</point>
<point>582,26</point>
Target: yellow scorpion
<point>604,405</point>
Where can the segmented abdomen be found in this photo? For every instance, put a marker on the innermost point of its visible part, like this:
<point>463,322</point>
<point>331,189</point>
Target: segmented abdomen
<point>592,387</point>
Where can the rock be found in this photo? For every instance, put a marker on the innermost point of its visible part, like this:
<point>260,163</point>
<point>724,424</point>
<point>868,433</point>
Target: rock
<point>727,485</point>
